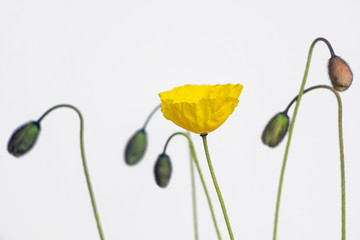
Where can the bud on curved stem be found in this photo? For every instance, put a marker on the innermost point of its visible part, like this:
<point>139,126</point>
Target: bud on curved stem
<point>136,146</point>
<point>194,157</point>
<point>276,129</point>
<point>340,73</point>
<point>24,138</point>
<point>292,123</point>
<point>162,170</point>
<point>298,99</point>
<point>342,160</point>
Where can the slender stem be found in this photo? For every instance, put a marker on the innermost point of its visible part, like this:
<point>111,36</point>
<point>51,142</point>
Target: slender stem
<point>150,115</point>
<point>341,148</point>
<point>305,91</point>
<point>328,45</point>
<point>87,176</point>
<point>193,193</point>
<point>342,168</point>
<point>192,150</point>
<point>217,186</point>
<point>292,127</point>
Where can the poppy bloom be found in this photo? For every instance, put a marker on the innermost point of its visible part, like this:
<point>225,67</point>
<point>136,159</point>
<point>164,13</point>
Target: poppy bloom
<point>200,108</point>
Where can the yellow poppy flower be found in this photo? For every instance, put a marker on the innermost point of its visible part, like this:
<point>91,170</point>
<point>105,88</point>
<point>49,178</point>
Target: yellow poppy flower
<point>200,108</point>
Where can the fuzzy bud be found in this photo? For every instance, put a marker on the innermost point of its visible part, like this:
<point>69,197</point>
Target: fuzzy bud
<point>340,74</point>
<point>275,130</point>
<point>23,139</point>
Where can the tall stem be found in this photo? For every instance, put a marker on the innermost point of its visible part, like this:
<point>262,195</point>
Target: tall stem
<point>193,193</point>
<point>292,127</point>
<point>341,149</point>
<point>192,150</point>
<point>217,186</point>
<point>87,176</point>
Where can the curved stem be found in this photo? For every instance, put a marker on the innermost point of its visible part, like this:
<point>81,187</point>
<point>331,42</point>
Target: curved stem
<point>87,176</point>
<point>292,127</point>
<point>192,150</point>
<point>150,115</point>
<point>328,45</point>
<point>217,186</point>
<point>308,90</point>
<point>341,149</point>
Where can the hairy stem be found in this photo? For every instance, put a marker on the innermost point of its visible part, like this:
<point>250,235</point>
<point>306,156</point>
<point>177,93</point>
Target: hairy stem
<point>292,127</point>
<point>341,149</point>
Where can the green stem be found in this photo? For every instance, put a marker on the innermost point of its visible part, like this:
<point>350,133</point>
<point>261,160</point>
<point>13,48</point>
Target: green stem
<point>341,148</point>
<point>332,52</point>
<point>150,115</point>
<point>193,193</point>
<point>217,186</point>
<point>292,127</point>
<point>192,150</point>
<point>92,197</point>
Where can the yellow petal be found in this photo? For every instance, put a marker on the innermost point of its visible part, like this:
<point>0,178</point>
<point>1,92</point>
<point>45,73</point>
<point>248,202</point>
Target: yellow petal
<point>200,108</point>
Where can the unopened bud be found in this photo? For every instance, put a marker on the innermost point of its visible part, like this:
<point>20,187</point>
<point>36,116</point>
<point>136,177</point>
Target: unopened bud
<point>23,139</point>
<point>275,130</point>
<point>136,147</point>
<point>340,74</point>
<point>162,170</point>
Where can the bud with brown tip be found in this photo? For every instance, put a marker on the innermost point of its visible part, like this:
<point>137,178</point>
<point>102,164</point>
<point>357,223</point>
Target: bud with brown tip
<point>340,74</point>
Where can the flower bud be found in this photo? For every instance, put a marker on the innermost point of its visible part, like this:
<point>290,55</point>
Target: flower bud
<point>162,170</point>
<point>23,139</point>
<point>340,74</point>
<point>275,130</point>
<point>136,147</point>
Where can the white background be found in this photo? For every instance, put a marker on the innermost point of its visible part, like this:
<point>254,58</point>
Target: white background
<point>112,58</point>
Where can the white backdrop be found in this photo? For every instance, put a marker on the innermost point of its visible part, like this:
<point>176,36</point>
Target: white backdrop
<point>112,58</point>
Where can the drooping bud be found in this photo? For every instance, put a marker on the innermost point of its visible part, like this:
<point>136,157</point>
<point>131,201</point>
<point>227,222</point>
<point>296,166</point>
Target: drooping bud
<point>162,170</point>
<point>340,74</point>
<point>136,147</point>
<point>23,139</point>
<point>276,129</point>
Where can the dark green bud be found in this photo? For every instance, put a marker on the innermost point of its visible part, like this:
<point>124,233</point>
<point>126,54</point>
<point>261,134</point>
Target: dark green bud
<point>23,139</point>
<point>275,130</point>
<point>136,147</point>
<point>162,170</point>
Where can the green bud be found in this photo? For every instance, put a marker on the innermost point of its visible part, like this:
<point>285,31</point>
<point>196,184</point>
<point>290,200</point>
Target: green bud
<point>162,170</point>
<point>136,147</point>
<point>23,139</point>
<point>340,74</point>
<point>275,130</point>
